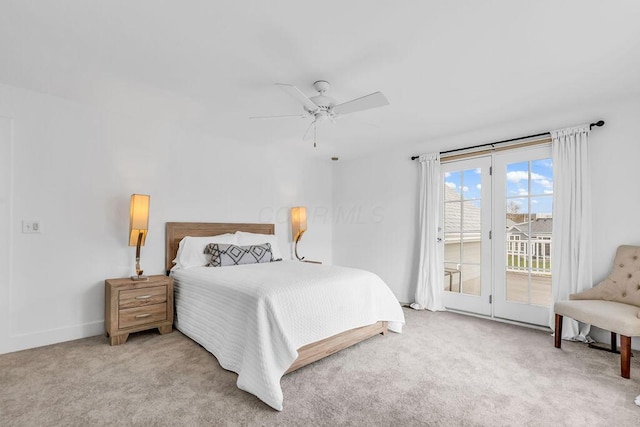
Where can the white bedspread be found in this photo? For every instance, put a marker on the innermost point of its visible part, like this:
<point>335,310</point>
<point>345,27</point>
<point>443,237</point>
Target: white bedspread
<point>253,318</point>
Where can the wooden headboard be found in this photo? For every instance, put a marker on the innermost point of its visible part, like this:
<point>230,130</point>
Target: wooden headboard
<point>175,231</point>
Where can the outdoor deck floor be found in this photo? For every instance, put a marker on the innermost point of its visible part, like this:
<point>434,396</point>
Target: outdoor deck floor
<point>517,288</point>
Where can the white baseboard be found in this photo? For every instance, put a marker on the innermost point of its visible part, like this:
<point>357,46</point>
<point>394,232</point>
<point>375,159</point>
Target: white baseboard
<point>52,336</point>
<point>602,336</point>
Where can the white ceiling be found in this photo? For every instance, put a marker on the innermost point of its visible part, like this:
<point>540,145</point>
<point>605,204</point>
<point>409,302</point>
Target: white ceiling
<point>446,67</point>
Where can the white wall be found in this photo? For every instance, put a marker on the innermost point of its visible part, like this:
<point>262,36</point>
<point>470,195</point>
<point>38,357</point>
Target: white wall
<point>74,167</point>
<point>387,183</point>
<point>377,197</point>
<point>5,227</point>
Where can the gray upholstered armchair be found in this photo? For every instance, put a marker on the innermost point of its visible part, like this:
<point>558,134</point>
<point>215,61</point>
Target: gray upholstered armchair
<point>613,305</point>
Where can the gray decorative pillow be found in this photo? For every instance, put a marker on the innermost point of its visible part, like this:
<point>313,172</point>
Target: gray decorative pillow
<point>223,255</point>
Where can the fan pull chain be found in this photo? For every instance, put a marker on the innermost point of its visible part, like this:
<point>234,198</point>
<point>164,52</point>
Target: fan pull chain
<point>315,128</point>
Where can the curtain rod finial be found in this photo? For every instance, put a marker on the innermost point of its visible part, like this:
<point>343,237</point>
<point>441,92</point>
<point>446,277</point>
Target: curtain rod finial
<point>599,123</point>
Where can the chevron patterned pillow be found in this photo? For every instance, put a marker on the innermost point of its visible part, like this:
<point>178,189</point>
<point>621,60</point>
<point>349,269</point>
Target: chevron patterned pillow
<point>223,255</point>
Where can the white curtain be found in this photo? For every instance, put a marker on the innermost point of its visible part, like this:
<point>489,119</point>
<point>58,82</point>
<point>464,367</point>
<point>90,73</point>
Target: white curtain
<point>430,288</point>
<point>571,255</point>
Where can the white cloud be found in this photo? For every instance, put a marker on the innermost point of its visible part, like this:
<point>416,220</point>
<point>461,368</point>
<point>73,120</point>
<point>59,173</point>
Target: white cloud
<point>517,176</point>
<point>548,191</point>
<point>465,188</point>
<point>479,186</point>
<point>522,192</point>
<point>533,201</point>
<point>537,176</point>
<point>478,171</point>
<point>545,183</point>
<point>447,174</point>
<point>450,184</point>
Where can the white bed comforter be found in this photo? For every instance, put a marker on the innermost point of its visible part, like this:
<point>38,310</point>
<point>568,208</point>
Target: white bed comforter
<point>253,318</point>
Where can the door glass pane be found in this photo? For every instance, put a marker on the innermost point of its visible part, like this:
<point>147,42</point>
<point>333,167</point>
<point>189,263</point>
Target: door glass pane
<point>452,248</point>
<point>471,184</point>
<point>529,224</point>
<point>452,217</point>
<point>471,279</point>
<point>452,230</point>
<point>542,177</point>
<point>452,184</point>
<point>452,256</point>
<point>471,260</point>
<point>462,226</point>
<point>471,217</point>
<point>517,179</point>
<point>471,249</point>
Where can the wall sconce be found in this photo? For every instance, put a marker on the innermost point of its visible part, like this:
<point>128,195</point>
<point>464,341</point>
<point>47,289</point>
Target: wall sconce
<point>298,226</point>
<point>138,226</point>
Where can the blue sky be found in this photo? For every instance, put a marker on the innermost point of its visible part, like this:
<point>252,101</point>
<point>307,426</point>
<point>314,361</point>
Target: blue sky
<point>520,183</point>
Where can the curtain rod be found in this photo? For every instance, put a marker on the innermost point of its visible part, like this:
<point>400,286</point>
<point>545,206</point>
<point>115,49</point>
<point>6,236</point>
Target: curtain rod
<point>599,123</point>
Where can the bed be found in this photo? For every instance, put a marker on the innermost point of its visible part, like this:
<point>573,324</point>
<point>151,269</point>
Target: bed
<point>265,320</point>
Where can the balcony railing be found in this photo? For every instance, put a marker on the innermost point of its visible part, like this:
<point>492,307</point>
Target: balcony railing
<point>529,255</point>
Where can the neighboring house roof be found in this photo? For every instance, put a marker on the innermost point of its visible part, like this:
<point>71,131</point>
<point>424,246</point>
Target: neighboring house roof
<point>538,226</point>
<point>542,226</point>
<point>472,217</point>
<point>515,229</point>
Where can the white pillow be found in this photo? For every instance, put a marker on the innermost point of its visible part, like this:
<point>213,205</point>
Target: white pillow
<point>191,250</point>
<point>246,239</point>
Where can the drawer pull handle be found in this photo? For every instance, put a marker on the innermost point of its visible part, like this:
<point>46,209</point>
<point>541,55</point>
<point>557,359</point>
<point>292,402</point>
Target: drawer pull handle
<point>140,316</point>
<point>143,297</point>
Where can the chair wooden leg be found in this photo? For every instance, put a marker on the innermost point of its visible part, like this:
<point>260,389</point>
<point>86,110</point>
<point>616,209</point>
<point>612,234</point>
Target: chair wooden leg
<point>625,356</point>
<point>558,334</point>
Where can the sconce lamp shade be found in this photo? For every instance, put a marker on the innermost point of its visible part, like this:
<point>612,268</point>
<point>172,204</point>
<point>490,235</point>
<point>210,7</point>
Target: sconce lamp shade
<point>298,222</point>
<point>139,218</point>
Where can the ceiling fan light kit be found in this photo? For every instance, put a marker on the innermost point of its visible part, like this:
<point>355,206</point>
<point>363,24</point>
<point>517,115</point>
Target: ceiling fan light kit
<point>322,107</point>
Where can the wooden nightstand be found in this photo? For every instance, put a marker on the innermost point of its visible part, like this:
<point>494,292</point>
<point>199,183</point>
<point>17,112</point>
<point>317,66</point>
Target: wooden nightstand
<point>133,306</point>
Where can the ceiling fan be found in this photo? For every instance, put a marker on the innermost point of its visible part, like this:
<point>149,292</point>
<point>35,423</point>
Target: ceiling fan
<point>323,107</point>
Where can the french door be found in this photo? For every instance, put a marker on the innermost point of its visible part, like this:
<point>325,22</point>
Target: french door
<point>465,228</point>
<point>496,223</point>
<point>523,189</point>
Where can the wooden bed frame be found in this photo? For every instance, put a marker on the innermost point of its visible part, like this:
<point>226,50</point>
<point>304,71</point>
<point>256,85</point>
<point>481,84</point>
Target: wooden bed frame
<point>310,353</point>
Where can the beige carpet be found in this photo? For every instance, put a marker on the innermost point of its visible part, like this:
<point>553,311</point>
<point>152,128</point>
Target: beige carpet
<point>445,369</point>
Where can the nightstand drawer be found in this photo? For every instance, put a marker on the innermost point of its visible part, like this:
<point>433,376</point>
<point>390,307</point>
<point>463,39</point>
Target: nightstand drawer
<point>142,297</point>
<point>140,315</point>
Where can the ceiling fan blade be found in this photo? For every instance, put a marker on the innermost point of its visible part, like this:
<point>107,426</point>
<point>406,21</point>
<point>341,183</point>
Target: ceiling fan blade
<point>286,116</point>
<point>373,100</point>
<point>297,94</point>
